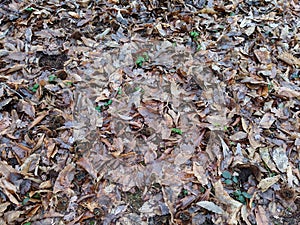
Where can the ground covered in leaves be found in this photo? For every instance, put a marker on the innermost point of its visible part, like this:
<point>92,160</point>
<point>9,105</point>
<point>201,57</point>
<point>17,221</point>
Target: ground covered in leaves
<point>149,112</point>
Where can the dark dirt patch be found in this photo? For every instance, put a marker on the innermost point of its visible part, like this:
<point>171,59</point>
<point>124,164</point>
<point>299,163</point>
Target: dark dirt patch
<point>53,61</point>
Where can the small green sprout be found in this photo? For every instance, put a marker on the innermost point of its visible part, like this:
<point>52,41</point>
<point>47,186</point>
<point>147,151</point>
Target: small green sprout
<point>52,78</point>
<point>229,179</point>
<point>25,200</point>
<point>109,102</point>
<point>27,223</point>
<point>36,196</point>
<point>225,128</point>
<point>98,108</point>
<point>194,34</point>
<point>241,196</point>
<point>69,83</point>
<point>226,174</point>
<point>119,91</point>
<point>176,131</point>
<point>34,87</point>
<point>198,47</point>
<point>139,61</point>
<point>295,75</point>
<point>185,192</point>
<point>29,9</point>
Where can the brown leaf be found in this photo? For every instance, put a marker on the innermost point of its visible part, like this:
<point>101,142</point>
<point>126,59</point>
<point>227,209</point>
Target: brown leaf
<point>11,216</point>
<point>199,173</point>
<point>240,135</point>
<point>27,107</point>
<point>267,120</point>
<point>289,59</point>
<point>280,158</point>
<point>88,166</point>
<point>38,120</point>
<point>18,56</point>
<point>210,206</point>
<point>233,206</point>
<point>260,216</point>
<point>263,55</point>
<point>64,179</point>
<point>288,92</point>
<point>266,183</point>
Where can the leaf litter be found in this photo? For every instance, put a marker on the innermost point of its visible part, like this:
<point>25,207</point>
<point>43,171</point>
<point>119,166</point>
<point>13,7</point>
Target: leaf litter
<point>179,112</point>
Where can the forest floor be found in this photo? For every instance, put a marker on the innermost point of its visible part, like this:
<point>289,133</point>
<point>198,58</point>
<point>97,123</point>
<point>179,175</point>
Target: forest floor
<point>149,112</point>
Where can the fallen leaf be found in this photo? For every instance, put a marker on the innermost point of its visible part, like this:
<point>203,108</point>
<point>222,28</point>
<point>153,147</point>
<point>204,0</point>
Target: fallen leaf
<point>280,158</point>
<point>88,166</point>
<point>199,173</point>
<point>267,120</point>
<point>240,135</point>
<point>260,216</point>
<point>289,59</point>
<point>232,206</point>
<point>266,183</point>
<point>210,206</point>
<point>64,179</point>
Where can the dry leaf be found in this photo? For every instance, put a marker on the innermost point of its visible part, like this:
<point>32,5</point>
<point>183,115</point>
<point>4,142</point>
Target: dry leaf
<point>289,59</point>
<point>199,173</point>
<point>64,179</point>
<point>266,183</point>
<point>233,206</point>
<point>210,206</point>
<point>280,158</point>
<point>240,135</point>
<point>267,120</point>
<point>88,166</point>
<point>260,216</point>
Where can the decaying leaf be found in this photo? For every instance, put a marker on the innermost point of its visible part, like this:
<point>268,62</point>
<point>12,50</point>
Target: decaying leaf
<point>88,166</point>
<point>233,206</point>
<point>64,179</point>
<point>266,183</point>
<point>210,206</point>
<point>267,120</point>
<point>280,158</point>
<point>289,59</point>
<point>199,172</point>
<point>261,217</point>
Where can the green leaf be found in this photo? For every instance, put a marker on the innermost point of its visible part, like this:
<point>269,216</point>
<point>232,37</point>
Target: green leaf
<point>198,47</point>
<point>226,174</point>
<point>27,223</point>
<point>194,34</point>
<point>246,195</point>
<point>98,108</point>
<point>34,87</point>
<point>119,91</point>
<point>52,78</point>
<point>25,200</point>
<point>109,102</point>
<point>176,131</point>
<point>235,179</point>
<point>36,196</point>
<point>29,9</point>
<point>140,60</point>
<point>228,182</point>
<point>185,192</point>
<point>241,199</point>
<point>237,193</point>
